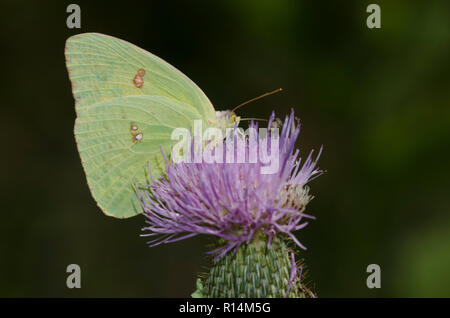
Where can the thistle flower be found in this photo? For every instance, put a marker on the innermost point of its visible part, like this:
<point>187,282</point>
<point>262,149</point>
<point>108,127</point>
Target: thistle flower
<point>235,201</point>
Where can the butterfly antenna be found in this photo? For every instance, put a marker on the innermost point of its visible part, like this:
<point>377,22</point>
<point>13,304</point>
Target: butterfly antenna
<point>256,98</point>
<point>263,119</point>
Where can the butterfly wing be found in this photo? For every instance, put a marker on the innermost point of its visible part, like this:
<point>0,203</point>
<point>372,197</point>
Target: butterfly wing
<point>127,101</point>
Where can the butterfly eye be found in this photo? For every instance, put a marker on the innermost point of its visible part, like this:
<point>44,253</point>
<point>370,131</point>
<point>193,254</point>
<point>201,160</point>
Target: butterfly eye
<point>232,118</point>
<point>134,127</point>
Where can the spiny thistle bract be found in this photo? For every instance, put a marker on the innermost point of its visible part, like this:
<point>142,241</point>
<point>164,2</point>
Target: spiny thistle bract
<point>251,213</point>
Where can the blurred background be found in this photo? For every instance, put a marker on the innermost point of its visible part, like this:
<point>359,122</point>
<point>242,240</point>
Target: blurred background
<point>376,99</point>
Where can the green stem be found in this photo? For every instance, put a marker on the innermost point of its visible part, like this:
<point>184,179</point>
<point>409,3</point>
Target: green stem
<point>253,271</point>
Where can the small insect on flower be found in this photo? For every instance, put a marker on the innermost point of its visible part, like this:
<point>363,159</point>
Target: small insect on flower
<point>233,201</point>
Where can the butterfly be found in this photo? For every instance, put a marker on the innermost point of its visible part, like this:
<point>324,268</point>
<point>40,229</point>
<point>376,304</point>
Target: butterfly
<point>127,102</point>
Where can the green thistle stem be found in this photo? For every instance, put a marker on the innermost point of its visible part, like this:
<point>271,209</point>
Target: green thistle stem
<point>253,271</point>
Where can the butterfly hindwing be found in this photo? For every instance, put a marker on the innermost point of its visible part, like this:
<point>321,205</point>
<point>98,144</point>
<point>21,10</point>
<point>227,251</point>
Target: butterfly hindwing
<point>128,101</point>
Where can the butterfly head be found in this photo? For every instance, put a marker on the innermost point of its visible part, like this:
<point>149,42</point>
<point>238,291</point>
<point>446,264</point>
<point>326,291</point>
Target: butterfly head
<point>226,119</point>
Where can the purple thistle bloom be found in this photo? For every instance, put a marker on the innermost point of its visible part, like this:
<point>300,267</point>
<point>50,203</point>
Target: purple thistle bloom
<point>233,201</point>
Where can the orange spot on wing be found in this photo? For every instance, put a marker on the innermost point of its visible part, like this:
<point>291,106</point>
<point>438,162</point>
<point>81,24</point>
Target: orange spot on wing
<point>138,79</point>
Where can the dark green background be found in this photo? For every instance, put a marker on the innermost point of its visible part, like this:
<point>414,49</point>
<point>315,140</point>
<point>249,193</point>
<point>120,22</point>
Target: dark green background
<point>377,99</point>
